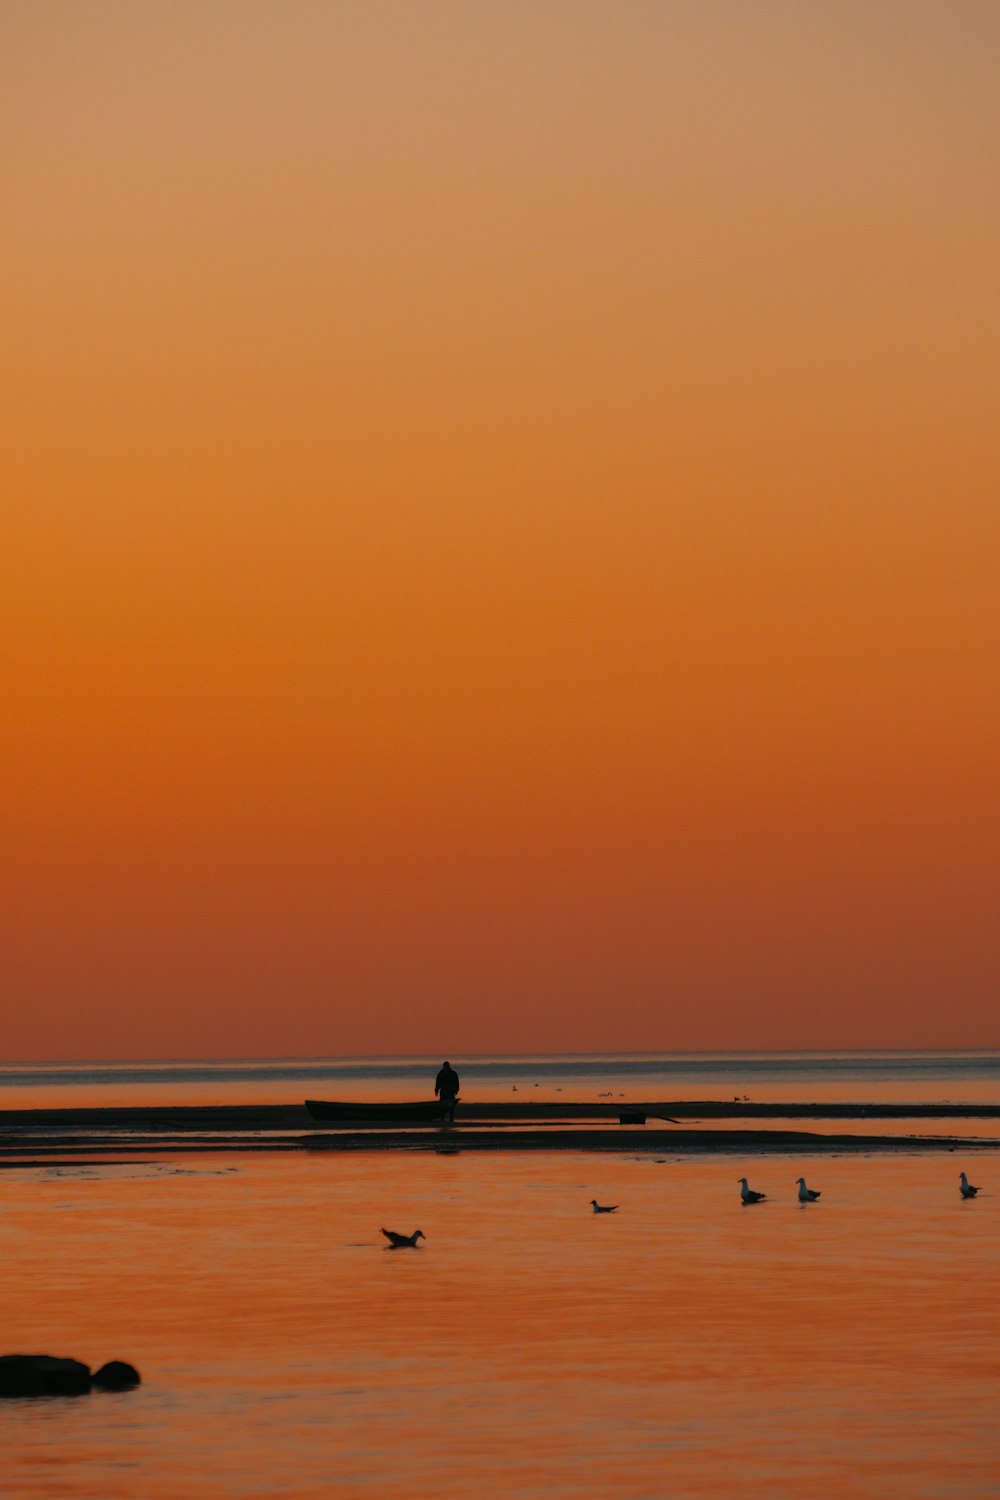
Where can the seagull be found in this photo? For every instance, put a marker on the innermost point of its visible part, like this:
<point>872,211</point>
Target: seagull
<point>600,1208</point>
<point>747,1193</point>
<point>967,1190</point>
<point>806,1194</point>
<point>404,1241</point>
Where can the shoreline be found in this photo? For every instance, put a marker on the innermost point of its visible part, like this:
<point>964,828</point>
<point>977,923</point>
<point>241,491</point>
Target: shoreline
<point>123,1134</point>
<point>738,1145</point>
<point>296,1117</point>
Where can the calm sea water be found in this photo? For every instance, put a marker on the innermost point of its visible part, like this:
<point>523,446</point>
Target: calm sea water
<point>684,1346</point>
<point>928,1077</point>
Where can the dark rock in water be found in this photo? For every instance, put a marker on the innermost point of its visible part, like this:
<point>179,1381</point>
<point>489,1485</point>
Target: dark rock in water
<point>116,1375</point>
<point>42,1375</point>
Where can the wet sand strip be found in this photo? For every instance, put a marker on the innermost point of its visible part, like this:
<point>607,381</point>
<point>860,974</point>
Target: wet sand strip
<point>177,1119</point>
<point>115,1149</point>
<point>672,1142</point>
<point>50,1136</point>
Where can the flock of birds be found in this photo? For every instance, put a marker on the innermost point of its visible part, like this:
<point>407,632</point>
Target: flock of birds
<point>806,1193</point>
<point>809,1195</point>
<point>747,1195</point>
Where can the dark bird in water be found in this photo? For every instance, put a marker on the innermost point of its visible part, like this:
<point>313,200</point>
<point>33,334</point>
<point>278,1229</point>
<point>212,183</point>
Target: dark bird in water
<point>601,1208</point>
<point>967,1190</point>
<point>806,1194</point>
<point>404,1241</point>
<point>747,1193</point>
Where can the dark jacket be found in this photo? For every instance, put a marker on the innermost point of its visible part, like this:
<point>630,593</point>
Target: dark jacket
<point>446,1083</point>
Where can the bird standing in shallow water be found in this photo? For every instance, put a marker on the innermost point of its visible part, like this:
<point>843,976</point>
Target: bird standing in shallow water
<point>599,1208</point>
<point>747,1193</point>
<point>966,1189</point>
<point>806,1194</point>
<point>403,1241</point>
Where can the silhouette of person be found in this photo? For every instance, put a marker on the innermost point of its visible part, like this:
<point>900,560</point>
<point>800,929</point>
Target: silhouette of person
<point>446,1085</point>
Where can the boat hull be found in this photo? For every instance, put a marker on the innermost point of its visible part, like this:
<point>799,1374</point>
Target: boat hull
<point>417,1112</point>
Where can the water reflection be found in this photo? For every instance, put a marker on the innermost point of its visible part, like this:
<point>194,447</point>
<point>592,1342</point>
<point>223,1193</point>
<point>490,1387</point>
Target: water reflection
<point>678,1347</point>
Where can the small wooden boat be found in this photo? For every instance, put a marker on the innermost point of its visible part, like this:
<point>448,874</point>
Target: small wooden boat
<point>416,1112</point>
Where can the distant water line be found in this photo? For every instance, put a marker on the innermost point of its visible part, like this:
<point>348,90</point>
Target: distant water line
<point>928,1077</point>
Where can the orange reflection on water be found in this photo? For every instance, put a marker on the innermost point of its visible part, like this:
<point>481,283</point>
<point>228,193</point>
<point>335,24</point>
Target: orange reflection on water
<point>684,1346</point>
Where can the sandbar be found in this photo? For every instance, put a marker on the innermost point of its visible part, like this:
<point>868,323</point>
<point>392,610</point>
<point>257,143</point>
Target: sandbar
<point>48,1137</point>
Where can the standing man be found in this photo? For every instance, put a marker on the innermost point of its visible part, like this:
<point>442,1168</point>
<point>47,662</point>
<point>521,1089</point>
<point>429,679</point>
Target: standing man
<point>446,1085</point>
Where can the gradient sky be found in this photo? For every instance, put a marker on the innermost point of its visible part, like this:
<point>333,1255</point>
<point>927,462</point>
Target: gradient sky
<point>501,530</point>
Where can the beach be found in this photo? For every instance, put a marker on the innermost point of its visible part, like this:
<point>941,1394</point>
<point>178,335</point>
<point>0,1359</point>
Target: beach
<point>816,1103</point>
<point>33,1137</point>
<point>683,1345</point>
<point>500,566</point>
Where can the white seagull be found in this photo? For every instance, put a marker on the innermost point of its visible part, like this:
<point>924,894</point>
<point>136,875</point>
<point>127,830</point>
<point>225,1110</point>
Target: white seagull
<point>602,1208</point>
<point>404,1241</point>
<point>967,1190</point>
<point>806,1194</point>
<point>747,1193</point>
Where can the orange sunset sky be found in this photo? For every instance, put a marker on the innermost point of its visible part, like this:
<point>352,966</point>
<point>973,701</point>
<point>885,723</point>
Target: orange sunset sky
<point>500,526</point>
